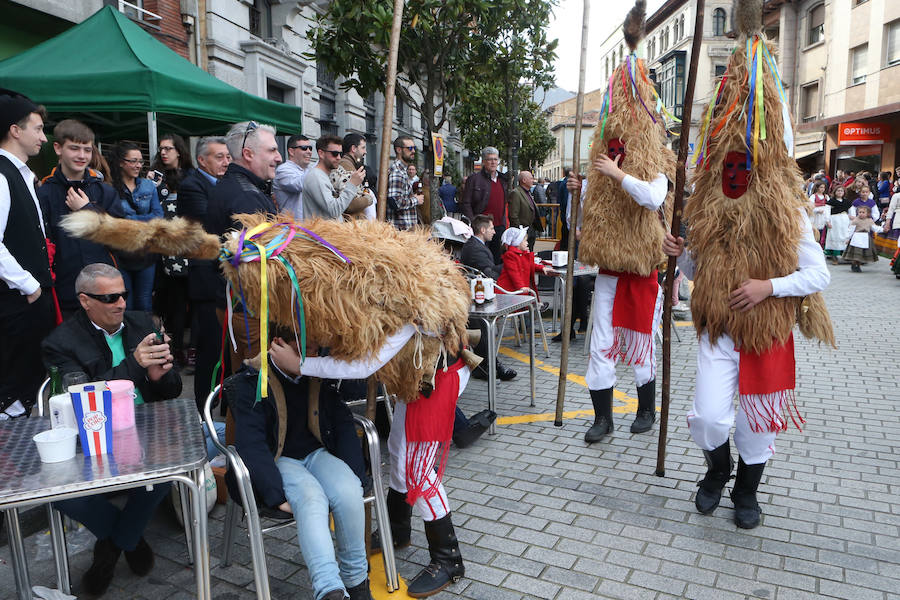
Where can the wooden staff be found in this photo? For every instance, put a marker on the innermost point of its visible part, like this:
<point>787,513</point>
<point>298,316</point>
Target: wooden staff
<point>680,177</point>
<point>575,206</point>
<point>388,127</point>
<point>384,162</point>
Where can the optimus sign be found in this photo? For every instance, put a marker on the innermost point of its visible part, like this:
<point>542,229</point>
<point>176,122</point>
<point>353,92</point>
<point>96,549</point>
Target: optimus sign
<point>859,134</point>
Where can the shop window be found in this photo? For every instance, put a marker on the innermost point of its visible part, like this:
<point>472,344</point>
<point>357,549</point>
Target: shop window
<point>719,21</point>
<point>892,34</point>
<point>809,102</point>
<point>816,25</point>
<point>858,57</point>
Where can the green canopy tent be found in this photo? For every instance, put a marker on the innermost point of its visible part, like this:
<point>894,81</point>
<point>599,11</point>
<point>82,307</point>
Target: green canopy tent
<point>124,83</point>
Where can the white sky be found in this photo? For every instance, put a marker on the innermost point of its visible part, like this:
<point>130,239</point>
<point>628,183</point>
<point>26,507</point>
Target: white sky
<point>565,25</point>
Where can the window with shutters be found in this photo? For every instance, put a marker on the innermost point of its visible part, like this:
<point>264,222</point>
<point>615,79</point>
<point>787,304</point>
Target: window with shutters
<point>892,42</point>
<point>816,25</point>
<point>809,102</point>
<point>858,58</point>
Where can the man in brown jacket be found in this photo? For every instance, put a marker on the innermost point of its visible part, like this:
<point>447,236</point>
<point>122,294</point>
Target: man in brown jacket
<point>522,209</point>
<point>485,194</point>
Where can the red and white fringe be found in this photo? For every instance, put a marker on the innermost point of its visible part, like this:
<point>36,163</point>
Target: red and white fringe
<point>769,412</point>
<point>632,347</point>
<point>421,481</point>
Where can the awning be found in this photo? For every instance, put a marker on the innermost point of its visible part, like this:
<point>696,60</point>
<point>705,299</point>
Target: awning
<point>111,73</point>
<point>806,153</point>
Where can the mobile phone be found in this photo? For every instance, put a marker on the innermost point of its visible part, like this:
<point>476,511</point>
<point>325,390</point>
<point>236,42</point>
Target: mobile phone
<point>76,185</point>
<point>155,176</point>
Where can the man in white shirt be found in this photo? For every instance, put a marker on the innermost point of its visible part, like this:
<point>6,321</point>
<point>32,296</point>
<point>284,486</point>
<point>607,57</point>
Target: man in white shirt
<point>319,198</point>
<point>26,284</point>
<point>288,182</point>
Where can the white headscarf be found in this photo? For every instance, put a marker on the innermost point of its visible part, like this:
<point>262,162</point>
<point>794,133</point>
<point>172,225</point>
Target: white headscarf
<point>514,236</point>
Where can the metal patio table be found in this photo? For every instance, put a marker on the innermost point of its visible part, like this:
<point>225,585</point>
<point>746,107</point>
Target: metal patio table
<point>501,306</point>
<point>559,288</point>
<point>165,445</point>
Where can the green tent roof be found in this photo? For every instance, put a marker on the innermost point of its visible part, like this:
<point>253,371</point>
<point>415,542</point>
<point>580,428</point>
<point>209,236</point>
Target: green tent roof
<point>108,64</point>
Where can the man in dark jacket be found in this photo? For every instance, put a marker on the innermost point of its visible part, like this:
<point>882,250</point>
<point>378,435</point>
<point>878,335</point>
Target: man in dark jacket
<point>105,342</point>
<point>308,468</point>
<point>523,211</point>
<point>476,254</point>
<point>70,187</point>
<point>485,194</point>
<point>203,275</point>
<point>243,190</point>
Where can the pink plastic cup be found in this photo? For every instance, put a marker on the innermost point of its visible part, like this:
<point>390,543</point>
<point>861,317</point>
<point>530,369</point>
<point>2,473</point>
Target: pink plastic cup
<point>122,403</point>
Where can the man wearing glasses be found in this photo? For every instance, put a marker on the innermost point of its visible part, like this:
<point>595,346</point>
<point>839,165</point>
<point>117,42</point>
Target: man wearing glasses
<point>319,196</point>
<point>288,182</point>
<point>105,342</point>
<point>485,194</point>
<point>401,202</point>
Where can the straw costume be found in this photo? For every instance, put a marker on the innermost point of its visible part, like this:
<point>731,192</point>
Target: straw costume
<point>622,233</point>
<point>749,230</point>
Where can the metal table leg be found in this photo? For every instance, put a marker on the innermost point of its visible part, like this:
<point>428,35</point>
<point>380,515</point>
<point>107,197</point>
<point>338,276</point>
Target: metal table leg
<point>17,551</point>
<point>532,310</point>
<point>58,541</point>
<point>491,324</point>
<point>198,518</point>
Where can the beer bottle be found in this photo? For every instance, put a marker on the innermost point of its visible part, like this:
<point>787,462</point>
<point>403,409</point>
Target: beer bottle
<point>479,291</point>
<point>55,381</point>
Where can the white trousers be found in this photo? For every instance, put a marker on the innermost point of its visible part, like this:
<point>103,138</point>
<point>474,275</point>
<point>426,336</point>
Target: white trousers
<point>438,506</point>
<point>601,371</point>
<point>713,412</point>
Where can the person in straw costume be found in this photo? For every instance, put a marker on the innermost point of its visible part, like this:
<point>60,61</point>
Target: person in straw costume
<point>757,272</point>
<point>622,232</point>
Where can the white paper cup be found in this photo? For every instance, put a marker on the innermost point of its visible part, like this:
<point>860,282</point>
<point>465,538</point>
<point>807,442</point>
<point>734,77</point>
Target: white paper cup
<point>56,445</point>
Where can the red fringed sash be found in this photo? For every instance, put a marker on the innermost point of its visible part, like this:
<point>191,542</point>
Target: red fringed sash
<point>51,258</point>
<point>632,317</point>
<point>766,388</point>
<point>429,423</point>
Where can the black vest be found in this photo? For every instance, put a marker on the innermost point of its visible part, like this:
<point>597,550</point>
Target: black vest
<point>23,236</point>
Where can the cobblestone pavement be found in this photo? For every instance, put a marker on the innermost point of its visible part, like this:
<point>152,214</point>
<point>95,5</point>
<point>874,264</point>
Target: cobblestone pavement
<point>541,515</point>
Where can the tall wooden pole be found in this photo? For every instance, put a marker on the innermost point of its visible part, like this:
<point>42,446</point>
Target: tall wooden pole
<point>574,208</point>
<point>388,127</point>
<point>385,158</point>
<point>680,178</point>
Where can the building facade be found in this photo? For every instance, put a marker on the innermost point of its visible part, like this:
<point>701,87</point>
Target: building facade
<point>255,45</point>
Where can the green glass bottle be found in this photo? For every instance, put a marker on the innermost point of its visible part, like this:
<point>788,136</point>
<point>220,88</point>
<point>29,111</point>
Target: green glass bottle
<point>55,381</point>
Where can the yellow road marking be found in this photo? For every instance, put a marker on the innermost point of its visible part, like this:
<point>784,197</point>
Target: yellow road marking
<point>378,581</point>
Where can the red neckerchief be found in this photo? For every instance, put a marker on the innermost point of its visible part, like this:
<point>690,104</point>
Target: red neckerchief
<point>632,317</point>
<point>766,383</point>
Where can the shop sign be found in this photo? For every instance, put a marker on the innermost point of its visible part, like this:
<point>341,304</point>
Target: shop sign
<point>858,134</point>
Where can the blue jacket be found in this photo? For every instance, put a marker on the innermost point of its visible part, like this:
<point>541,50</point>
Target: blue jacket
<point>143,203</point>
<point>73,254</point>
<point>447,192</point>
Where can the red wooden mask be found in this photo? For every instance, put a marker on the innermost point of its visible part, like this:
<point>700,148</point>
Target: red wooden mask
<point>616,148</point>
<point>735,175</point>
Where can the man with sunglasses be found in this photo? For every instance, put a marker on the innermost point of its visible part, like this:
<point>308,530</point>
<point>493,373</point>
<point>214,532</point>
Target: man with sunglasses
<point>105,342</point>
<point>319,196</point>
<point>288,182</point>
<point>401,202</point>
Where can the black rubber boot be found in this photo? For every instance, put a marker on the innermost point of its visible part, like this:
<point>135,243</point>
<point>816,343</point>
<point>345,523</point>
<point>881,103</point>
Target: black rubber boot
<point>446,565</point>
<point>400,515</point>
<point>646,410</point>
<point>603,421</point>
<point>718,471</point>
<point>746,508</point>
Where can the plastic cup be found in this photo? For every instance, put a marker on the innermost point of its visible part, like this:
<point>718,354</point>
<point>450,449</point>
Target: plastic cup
<point>122,391</point>
<point>56,445</point>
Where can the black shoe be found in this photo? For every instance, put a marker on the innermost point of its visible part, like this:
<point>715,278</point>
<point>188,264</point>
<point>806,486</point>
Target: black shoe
<point>718,471</point>
<point>557,339</point>
<point>334,595</point>
<point>360,591</point>
<point>504,373</point>
<point>400,516</point>
<point>485,417</point>
<point>480,372</point>
<point>603,422</point>
<point>470,434</point>
<point>856,268</point>
<point>446,565</point>
<point>746,509</point>
<point>646,410</point>
<point>140,560</point>
<point>97,578</point>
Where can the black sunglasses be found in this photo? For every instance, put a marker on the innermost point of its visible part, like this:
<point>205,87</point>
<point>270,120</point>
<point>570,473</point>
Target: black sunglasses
<point>251,126</point>
<point>301,147</point>
<point>108,298</point>
<point>334,153</point>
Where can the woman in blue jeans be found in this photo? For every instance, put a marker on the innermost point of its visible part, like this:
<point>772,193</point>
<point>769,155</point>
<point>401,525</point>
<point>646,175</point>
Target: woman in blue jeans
<point>140,202</point>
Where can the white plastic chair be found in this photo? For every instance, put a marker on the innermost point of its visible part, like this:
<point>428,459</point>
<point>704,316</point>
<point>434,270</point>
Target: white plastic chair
<point>254,528</point>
